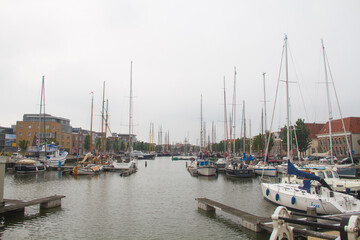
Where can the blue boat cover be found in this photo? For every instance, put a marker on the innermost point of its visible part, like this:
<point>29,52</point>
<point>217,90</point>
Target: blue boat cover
<point>291,169</point>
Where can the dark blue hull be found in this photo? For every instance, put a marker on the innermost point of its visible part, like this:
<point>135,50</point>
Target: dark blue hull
<point>241,173</point>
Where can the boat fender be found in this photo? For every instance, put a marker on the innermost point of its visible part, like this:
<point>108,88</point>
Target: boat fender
<point>277,197</point>
<point>267,192</point>
<point>293,200</point>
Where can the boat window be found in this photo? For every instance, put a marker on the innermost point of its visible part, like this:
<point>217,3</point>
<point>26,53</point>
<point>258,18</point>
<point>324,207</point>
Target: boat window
<point>329,174</point>
<point>321,174</point>
<point>336,175</point>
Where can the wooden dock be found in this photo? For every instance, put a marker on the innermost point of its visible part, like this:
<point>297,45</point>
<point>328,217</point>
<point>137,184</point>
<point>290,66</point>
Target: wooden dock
<point>249,221</point>
<point>259,224</point>
<point>19,205</point>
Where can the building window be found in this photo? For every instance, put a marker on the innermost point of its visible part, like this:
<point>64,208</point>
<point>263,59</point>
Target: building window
<point>29,126</point>
<point>20,126</point>
<point>53,128</point>
<point>20,134</point>
<point>47,127</point>
<point>29,134</point>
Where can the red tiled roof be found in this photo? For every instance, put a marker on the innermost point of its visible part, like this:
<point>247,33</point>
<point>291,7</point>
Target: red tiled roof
<point>352,124</point>
<point>314,128</point>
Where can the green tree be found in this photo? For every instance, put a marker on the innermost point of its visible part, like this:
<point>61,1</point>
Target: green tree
<point>259,142</point>
<point>122,146</point>
<point>116,145</point>
<point>98,143</point>
<point>87,143</point>
<point>23,144</point>
<point>302,135</point>
<point>108,145</point>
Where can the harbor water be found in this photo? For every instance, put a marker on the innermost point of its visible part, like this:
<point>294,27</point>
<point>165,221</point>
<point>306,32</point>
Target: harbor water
<point>157,202</point>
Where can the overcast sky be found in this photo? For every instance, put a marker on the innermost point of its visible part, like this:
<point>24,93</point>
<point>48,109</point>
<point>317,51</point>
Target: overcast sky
<point>180,50</point>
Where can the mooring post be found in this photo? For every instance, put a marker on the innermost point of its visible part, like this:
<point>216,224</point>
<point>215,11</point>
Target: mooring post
<point>311,210</point>
<point>2,177</point>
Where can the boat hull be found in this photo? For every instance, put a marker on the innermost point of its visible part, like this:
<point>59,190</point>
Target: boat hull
<point>29,168</point>
<point>241,173</point>
<point>206,171</point>
<point>298,199</point>
<point>267,171</point>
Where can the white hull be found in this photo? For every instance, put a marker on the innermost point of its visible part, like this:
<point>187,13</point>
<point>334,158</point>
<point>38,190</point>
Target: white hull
<point>326,201</point>
<point>123,165</point>
<point>206,171</point>
<point>266,171</point>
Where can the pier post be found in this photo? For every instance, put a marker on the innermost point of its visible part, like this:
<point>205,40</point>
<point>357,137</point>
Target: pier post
<point>2,177</point>
<point>311,210</point>
<point>51,204</point>
<point>205,207</point>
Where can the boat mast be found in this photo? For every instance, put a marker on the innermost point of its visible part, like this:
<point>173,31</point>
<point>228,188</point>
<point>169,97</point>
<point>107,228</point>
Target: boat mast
<point>225,121</point>
<point>329,103</point>
<point>106,123</point>
<point>234,111</point>
<point>102,122</point>
<point>201,131</point>
<point>338,104</point>
<point>289,156</point>
<point>265,107</point>
<point>92,104</point>
<point>130,115</point>
<point>42,106</point>
<point>250,138</point>
<point>244,141</point>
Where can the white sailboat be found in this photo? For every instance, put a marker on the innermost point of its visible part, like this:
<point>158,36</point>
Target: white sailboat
<point>263,168</point>
<point>129,164</point>
<point>319,195</point>
<point>203,167</point>
<point>300,198</point>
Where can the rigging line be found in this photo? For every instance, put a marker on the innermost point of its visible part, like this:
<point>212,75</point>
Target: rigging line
<point>276,93</point>
<point>338,104</point>
<point>272,117</point>
<point>298,81</point>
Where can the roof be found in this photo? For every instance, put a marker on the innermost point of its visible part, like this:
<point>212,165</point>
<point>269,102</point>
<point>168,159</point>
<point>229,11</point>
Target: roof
<point>314,128</point>
<point>352,124</point>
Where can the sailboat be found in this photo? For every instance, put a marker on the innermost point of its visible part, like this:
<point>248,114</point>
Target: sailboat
<point>85,167</point>
<point>298,197</point>
<point>129,165</point>
<point>203,167</point>
<point>263,168</point>
<point>240,169</point>
<point>37,163</point>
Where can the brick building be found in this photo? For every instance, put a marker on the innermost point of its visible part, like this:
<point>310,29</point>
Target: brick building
<point>35,127</point>
<point>338,136</point>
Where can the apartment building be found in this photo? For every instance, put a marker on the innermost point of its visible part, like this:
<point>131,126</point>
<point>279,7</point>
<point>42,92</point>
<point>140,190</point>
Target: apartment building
<point>36,127</point>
